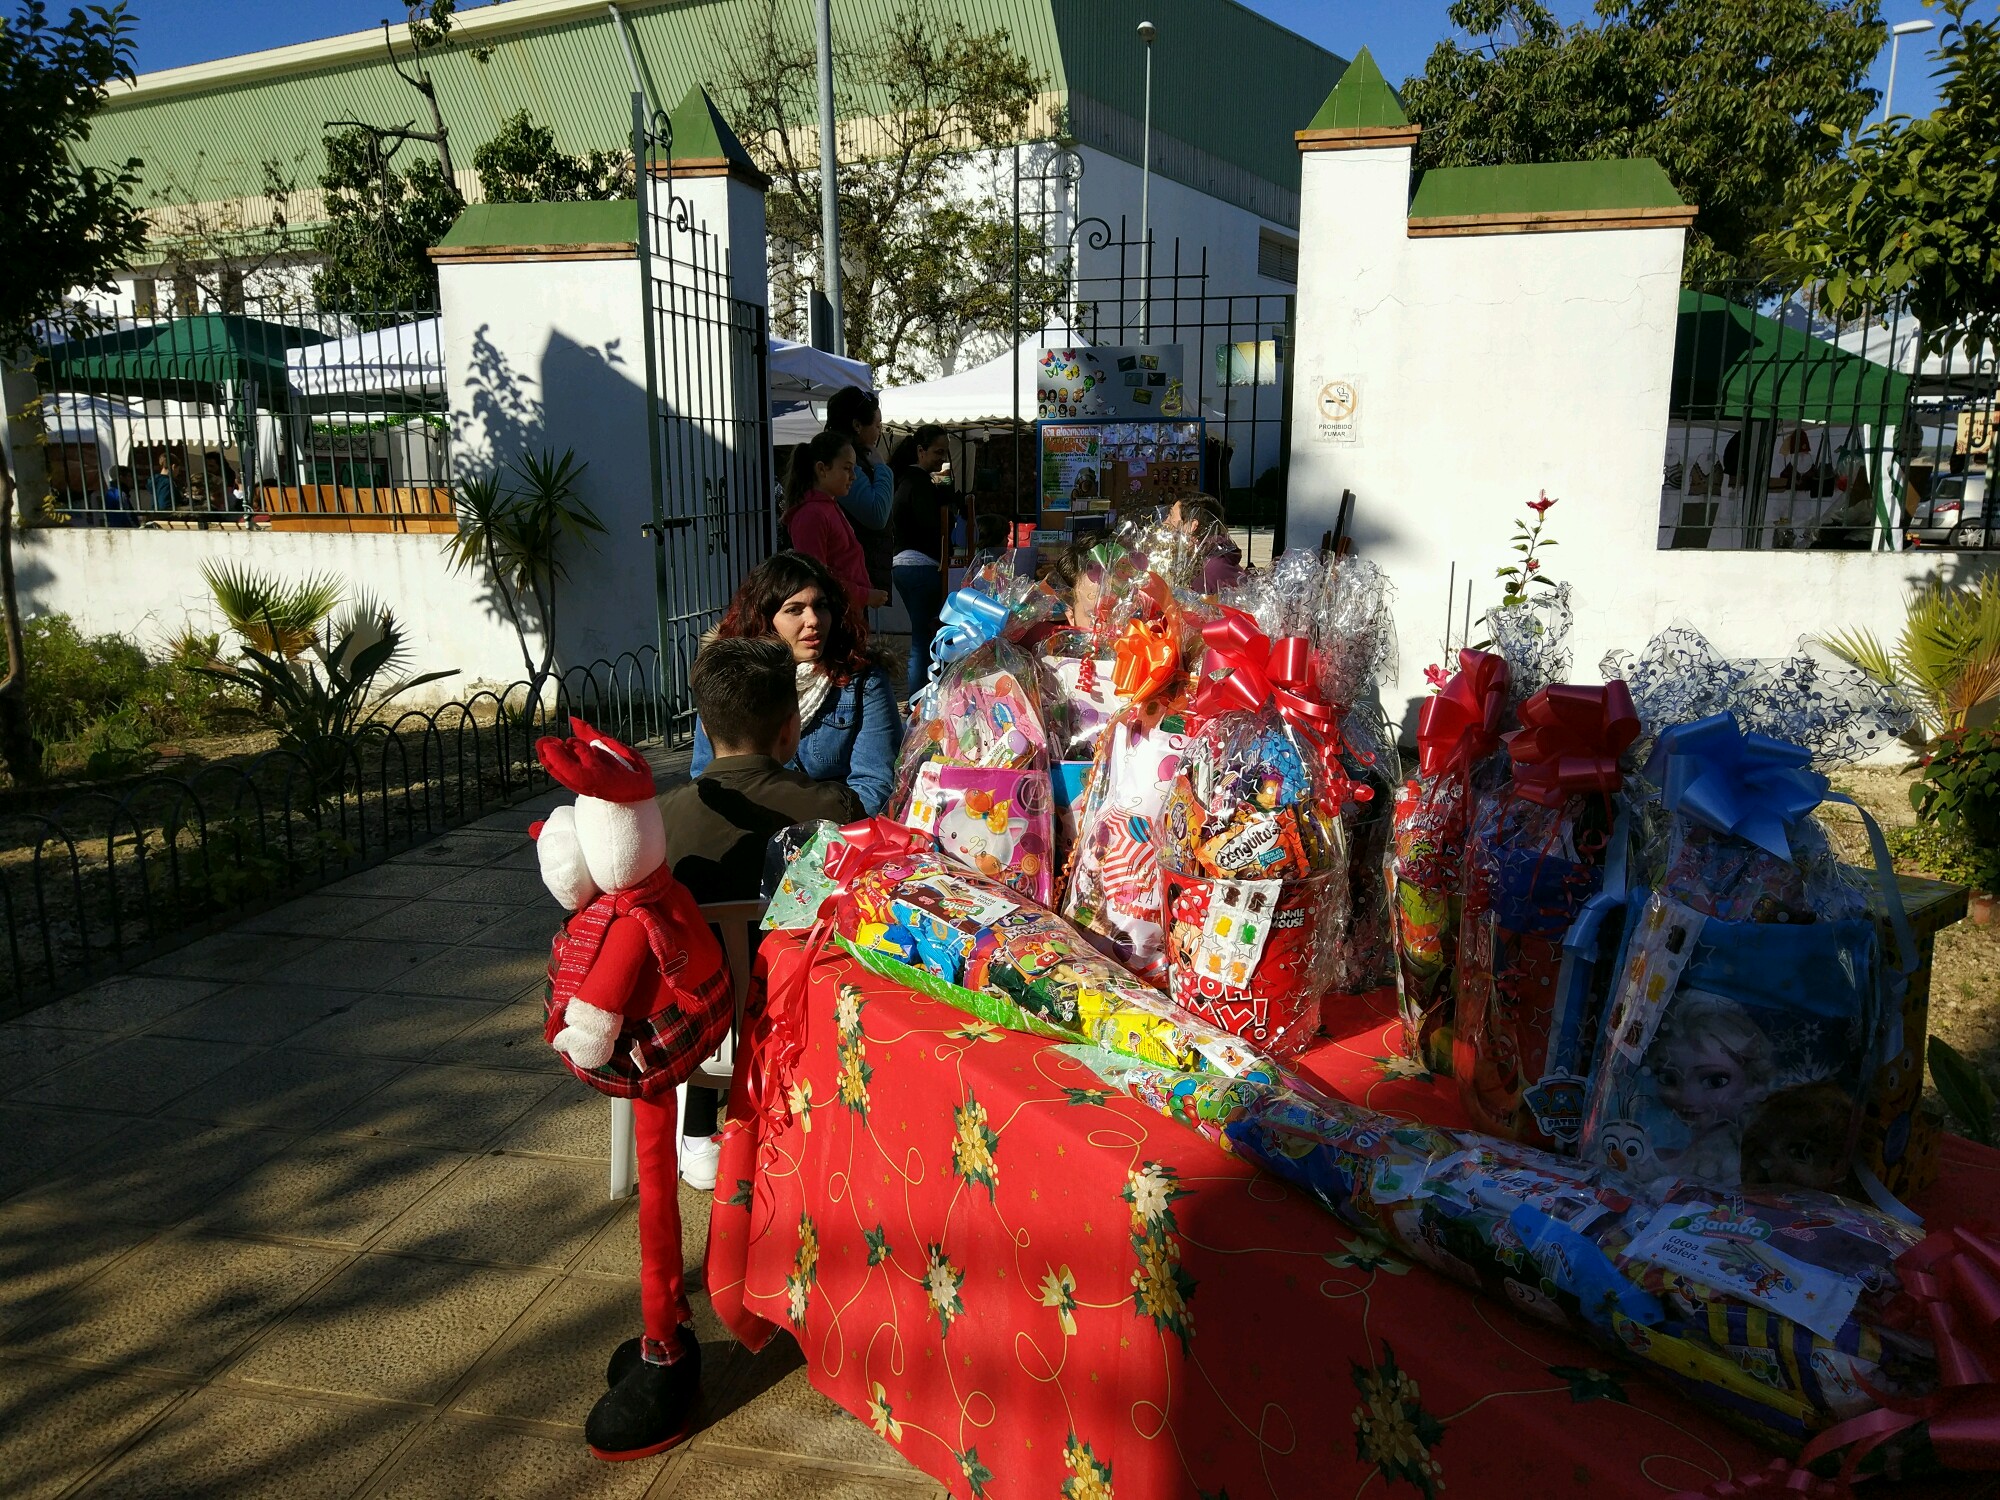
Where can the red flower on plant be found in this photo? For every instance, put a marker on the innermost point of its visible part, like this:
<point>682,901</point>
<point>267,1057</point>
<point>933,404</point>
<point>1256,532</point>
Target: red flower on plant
<point>1436,676</point>
<point>1534,565</point>
<point>1541,507</point>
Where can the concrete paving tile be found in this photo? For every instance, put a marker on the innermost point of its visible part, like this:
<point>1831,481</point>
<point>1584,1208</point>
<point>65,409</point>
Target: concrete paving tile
<point>430,921</point>
<point>332,1189</point>
<point>521,859</point>
<point>218,1445</point>
<point>465,846</point>
<point>41,1258</point>
<point>788,1416</point>
<point>399,1329</point>
<point>40,1141</point>
<point>134,1076</point>
<point>256,1013</point>
<point>515,888</point>
<point>356,965</point>
<point>154,1172</point>
<point>320,915</point>
<point>529,931</point>
<point>234,957</point>
<point>397,878</point>
<point>476,973</point>
<point>407,1026</point>
<point>460,1109</point>
<point>30,1052</point>
<point>457,1459</point>
<point>703,1475</point>
<point>615,1252</point>
<point>285,1090</point>
<point>130,1002</point>
<point>56,1425</point>
<point>571,1122</point>
<point>551,1369</point>
<point>508,1036</point>
<point>180,1303</point>
<point>513,1210</point>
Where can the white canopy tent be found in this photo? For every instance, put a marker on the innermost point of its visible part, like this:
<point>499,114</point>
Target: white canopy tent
<point>404,359</point>
<point>981,395</point>
<point>799,371</point>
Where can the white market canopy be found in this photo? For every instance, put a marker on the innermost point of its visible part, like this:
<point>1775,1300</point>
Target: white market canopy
<point>801,371</point>
<point>980,396</point>
<point>404,359</point>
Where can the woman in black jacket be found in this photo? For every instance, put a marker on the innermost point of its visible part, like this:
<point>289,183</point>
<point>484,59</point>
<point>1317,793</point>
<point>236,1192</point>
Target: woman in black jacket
<point>921,509</point>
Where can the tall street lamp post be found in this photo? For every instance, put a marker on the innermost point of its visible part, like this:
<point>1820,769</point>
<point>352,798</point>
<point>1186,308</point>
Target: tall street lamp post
<point>1147,31</point>
<point>829,183</point>
<point>1896,35</point>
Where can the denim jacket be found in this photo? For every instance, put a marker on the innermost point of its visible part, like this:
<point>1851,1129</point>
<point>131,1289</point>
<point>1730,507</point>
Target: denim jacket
<point>853,738</point>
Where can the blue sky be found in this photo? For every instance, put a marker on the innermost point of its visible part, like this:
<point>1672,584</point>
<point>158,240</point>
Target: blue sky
<point>1399,32</point>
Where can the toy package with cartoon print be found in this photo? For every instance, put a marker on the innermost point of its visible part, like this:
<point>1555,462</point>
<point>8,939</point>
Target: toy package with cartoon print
<point>976,776</point>
<point>1254,864</point>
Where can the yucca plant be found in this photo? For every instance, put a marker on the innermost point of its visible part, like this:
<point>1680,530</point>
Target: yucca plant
<point>1947,659</point>
<point>273,616</point>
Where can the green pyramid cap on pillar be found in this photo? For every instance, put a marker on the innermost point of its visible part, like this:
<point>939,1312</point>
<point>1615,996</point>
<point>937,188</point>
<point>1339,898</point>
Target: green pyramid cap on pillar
<point>1362,100</point>
<point>701,135</point>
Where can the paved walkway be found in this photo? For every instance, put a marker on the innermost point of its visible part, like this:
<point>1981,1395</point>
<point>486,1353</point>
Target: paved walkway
<point>308,1210</point>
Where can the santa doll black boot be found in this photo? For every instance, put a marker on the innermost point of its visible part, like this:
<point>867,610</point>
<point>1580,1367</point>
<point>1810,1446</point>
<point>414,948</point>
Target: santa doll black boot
<point>651,1408</point>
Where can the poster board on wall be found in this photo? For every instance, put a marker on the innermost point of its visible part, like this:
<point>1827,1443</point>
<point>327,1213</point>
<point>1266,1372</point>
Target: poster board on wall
<point>1096,468</point>
<point>1110,382</point>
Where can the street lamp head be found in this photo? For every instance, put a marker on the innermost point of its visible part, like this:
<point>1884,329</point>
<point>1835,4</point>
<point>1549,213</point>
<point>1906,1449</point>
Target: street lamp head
<point>1147,31</point>
<point>1911,28</point>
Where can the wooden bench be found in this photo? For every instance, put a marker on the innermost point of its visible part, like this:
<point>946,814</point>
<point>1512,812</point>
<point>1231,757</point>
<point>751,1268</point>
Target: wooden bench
<point>329,507</point>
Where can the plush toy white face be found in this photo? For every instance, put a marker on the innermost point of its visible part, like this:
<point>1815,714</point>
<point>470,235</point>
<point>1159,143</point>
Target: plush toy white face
<point>622,842</point>
<point>560,855</point>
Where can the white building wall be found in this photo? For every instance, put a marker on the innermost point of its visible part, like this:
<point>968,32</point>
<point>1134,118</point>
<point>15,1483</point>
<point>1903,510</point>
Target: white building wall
<point>1490,368</point>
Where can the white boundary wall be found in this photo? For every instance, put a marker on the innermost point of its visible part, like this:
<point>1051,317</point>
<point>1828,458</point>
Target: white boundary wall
<point>1492,367</point>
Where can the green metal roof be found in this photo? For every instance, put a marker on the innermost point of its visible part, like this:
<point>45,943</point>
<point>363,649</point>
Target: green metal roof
<point>1362,100</point>
<point>203,132</point>
<point>501,225</point>
<point>1543,188</point>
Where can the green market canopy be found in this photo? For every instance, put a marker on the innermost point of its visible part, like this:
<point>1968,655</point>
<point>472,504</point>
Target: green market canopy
<point>217,358</point>
<point>1731,362</point>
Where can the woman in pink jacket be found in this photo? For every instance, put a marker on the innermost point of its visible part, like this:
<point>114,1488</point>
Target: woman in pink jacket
<point>822,470</point>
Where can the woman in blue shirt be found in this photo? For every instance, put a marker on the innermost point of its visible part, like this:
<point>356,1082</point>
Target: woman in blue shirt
<point>870,500</point>
<point>849,728</point>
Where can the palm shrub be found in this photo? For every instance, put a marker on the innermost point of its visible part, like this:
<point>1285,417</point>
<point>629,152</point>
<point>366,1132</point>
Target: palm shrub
<point>1947,659</point>
<point>274,617</point>
<point>327,695</point>
<point>520,538</point>
<point>1959,796</point>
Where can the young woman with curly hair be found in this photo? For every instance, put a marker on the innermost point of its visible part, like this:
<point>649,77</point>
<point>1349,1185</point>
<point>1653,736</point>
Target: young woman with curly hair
<point>849,728</point>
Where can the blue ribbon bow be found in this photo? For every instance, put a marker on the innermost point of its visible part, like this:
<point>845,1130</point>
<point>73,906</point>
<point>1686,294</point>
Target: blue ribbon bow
<point>1750,786</point>
<point>969,619</point>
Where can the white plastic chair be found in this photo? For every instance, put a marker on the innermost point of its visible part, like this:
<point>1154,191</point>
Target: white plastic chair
<point>735,923</point>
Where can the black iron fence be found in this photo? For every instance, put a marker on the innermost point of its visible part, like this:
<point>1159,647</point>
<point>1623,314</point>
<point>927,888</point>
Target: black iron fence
<point>107,877</point>
<point>257,411</point>
<point>1792,429</point>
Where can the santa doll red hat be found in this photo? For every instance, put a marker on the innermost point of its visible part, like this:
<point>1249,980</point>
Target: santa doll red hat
<point>639,994</point>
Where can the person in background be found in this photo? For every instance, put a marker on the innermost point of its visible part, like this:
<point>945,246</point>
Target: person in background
<point>746,695</point>
<point>164,497</point>
<point>870,500</point>
<point>118,508</point>
<point>991,535</point>
<point>1222,566</point>
<point>821,472</point>
<point>849,728</point>
<point>922,505</point>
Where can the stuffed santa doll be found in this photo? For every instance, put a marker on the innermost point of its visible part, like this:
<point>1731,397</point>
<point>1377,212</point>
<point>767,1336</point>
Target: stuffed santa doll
<point>639,994</point>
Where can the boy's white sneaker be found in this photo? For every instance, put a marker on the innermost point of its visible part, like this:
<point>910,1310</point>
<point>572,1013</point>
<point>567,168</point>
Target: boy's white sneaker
<point>701,1155</point>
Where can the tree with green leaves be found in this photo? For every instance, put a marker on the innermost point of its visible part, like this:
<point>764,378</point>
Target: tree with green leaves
<point>926,261</point>
<point>1909,211</point>
<point>1732,97</point>
<point>382,219</point>
<point>67,226</point>
<point>523,164</point>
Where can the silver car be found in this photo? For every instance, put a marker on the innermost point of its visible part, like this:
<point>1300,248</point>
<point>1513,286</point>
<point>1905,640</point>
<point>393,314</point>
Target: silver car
<point>1953,516</point>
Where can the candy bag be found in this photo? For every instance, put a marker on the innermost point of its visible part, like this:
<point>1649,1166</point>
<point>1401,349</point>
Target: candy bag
<point>1536,854</point>
<point>1457,729</point>
<point>976,776</point>
<point>1251,857</point>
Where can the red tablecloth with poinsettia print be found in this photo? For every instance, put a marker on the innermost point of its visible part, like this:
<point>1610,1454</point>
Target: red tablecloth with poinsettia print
<point>1034,1286</point>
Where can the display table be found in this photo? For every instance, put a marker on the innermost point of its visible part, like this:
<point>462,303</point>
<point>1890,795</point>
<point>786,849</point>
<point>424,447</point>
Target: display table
<point>1033,1286</point>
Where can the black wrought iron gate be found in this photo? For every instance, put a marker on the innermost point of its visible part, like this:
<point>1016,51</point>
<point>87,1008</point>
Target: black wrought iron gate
<point>708,408</point>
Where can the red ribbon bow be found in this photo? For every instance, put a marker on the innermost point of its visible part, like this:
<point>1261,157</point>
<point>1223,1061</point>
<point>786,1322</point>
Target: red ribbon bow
<point>1257,671</point>
<point>1570,740</point>
<point>1462,723</point>
<point>870,842</point>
